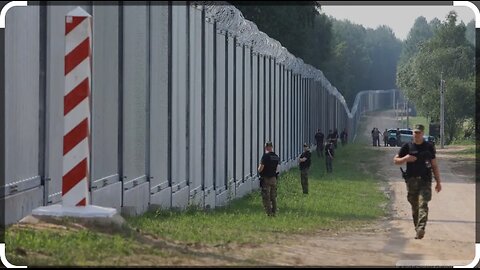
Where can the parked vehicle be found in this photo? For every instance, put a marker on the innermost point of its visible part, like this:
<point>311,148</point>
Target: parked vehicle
<point>429,138</point>
<point>392,137</point>
<point>406,135</point>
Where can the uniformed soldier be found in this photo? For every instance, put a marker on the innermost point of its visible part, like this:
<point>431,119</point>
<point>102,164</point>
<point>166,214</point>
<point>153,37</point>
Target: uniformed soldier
<point>398,137</point>
<point>319,139</point>
<point>268,170</point>
<point>385,138</point>
<point>329,155</point>
<point>305,161</point>
<point>420,158</point>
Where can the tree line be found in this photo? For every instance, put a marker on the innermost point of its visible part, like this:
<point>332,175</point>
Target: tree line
<point>438,50</point>
<point>355,58</point>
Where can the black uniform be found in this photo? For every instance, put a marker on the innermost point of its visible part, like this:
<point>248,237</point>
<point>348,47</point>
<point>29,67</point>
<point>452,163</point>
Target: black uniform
<point>268,182</point>
<point>304,167</point>
<point>270,162</point>
<point>419,181</point>
<point>319,138</point>
<point>424,153</point>
<point>329,154</point>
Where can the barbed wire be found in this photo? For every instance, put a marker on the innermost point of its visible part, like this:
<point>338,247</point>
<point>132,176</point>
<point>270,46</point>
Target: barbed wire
<point>231,20</point>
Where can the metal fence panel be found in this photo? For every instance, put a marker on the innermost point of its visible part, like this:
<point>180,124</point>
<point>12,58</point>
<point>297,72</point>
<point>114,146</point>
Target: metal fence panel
<point>22,95</point>
<point>134,92</point>
<point>231,113</point>
<point>105,128</point>
<point>195,102</point>
<point>238,146</point>
<point>261,106</point>
<point>268,100</point>
<point>247,108</point>
<point>221,113</point>
<point>159,101</point>
<point>209,106</point>
<point>179,93</point>
<point>255,118</point>
<point>288,115</point>
<point>276,107</point>
<point>135,87</point>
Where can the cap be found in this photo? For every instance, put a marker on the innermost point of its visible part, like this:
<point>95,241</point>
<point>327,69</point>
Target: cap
<point>419,127</point>
<point>269,144</point>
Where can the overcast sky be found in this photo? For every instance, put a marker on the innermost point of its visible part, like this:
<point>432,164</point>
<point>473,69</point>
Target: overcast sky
<point>399,18</point>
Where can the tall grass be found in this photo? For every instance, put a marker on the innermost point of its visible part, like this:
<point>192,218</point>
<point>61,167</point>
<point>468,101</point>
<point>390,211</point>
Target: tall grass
<point>347,197</point>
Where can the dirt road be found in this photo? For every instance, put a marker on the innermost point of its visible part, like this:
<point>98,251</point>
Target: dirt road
<point>450,231</point>
<point>449,239</point>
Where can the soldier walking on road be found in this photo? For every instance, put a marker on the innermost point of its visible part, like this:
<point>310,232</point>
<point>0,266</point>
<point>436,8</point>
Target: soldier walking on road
<point>268,170</point>
<point>420,158</point>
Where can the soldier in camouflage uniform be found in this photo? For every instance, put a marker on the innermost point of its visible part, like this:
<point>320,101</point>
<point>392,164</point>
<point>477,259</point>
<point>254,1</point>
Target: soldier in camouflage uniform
<point>268,170</point>
<point>420,158</point>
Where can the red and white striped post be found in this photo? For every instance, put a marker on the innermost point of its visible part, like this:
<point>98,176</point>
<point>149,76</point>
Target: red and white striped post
<point>76,146</point>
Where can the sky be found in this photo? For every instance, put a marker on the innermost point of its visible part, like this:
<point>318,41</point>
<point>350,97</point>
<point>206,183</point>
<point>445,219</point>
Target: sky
<point>399,18</point>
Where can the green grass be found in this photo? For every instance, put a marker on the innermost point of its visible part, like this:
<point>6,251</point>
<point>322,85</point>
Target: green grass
<point>346,198</point>
<point>468,152</point>
<point>469,142</point>
<point>67,247</point>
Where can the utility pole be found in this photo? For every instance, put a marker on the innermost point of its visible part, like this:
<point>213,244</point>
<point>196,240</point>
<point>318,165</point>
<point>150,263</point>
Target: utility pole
<point>442,111</point>
<point>408,112</point>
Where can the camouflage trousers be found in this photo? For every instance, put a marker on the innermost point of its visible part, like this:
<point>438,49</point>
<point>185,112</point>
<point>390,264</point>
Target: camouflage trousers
<point>304,180</point>
<point>328,164</point>
<point>269,195</point>
<point>419,194</point>
<point>319,149</point>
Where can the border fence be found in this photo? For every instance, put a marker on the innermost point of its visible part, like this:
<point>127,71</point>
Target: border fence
<point>183,99</point>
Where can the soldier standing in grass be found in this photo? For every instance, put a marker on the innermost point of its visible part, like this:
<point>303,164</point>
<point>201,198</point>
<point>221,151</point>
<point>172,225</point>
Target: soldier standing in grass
<point>305,160</point>
<point>319,139</point>
<point>268,170</point>
<point>329,155</point>
<point>420,158</point>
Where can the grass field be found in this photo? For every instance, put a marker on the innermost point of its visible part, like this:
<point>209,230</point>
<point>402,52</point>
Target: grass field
<point>346,199</point>
<point>335,201</point>
<point>467,153</point>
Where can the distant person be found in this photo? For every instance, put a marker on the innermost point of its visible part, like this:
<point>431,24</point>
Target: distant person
<point>329,156</point>
<point>319,136</point>
<point>305,161</point>
<point>385,138</point>
<point>420,158</point>
<point>376,137</point>
<point>344,137</point>
<point>330,135</point>
<point>373,138</point>
<point>335,137</point>
<point>268,170</point>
